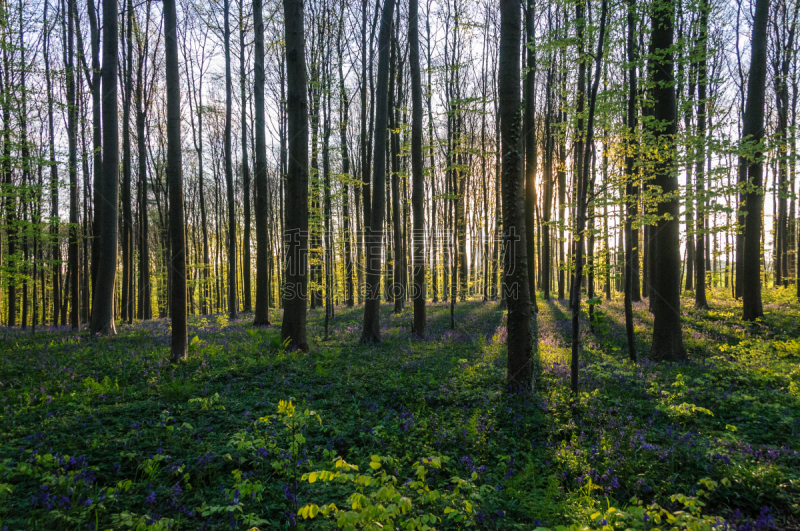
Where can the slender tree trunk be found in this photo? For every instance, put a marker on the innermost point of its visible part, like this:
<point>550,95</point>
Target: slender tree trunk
<point>583,183</point>
<point>547,206</point>
<point>700,300</point>
<point>55,252</point>
<point>529,132</point>
<point>103,301</point>
<point>145,290</point>
<point>665,256</point>
<point>177,227</point>
<point>371,332</point>
<point>248,304</point>
<point>73,250</point>
<point>233,303</point>
<point>293,326</point>
<point>417,173</point>
<point>127,220</point>
<point>631,187</point>
<point>395,288</point>
<point>752,134</point>
<point>344,109</point>
<point>262,205</point>
<point>326,183</point>
<point>520,363</point>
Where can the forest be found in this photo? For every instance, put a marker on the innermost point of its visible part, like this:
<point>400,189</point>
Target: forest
<point>451,264</point>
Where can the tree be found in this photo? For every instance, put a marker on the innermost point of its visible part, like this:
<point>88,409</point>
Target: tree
<point>583,184</point>
<point>177,227</point>
<point>371,332</point>
<point>142,107</point>
<point>103,303</point>
<point>700,300</point>
<point>233,302</point>
<point>344,111</point>
<point>262,212</point>
<point>293,327</point>
<point>631,188</point>
<point>417,172</point>
<point>665,254</point>
<point>248,305</point>
<point>752,136</point>
<point>520,367</point>
<point>530,150</point>
<point>55,253</point>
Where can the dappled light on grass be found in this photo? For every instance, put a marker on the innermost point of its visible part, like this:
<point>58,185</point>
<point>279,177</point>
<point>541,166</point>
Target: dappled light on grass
<point>107,430</point>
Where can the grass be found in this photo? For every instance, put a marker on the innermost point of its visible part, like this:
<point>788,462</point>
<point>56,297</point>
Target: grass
<point>106,434</point>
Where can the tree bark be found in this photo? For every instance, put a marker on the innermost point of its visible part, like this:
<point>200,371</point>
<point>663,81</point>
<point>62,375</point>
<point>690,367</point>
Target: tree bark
<point>344,110</point>
<point>700,300</point>
<point>55,252</point>
<point>752,135</point>
<point>233,303</point>
<point>248,304</point>
<point>262,206</point>
<point>417,173</point>
<point>520,367</point>
<point>293,326</point>
<point>530,152</point>
<point>103,302</point>
<point>371,332</point>
<point>665,254</point>
<point>177,227</point>
<point>631,187</point>
<point>127,219</point>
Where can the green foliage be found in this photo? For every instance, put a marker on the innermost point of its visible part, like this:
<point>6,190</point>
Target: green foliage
<point>409,435</point>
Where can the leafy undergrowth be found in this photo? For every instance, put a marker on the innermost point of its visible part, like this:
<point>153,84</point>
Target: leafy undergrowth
<point>412,434</point>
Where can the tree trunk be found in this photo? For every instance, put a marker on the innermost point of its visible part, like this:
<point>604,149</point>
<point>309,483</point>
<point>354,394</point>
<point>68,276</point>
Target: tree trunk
<point>371,332</point>
<point>293,327</point>
<point>417,173</point>
<point>752,134</point>
<point>177,227</point>
<point>262,205</point>
<point>700,300</point>
<point>127,218</point>
<point>631,187</point>
<point>233,303</point>
<point>103,303</point>
<point>583,182</point>
<point>520,368</point>
<point>665,254</point>
<point>529,132</point>
<point>55,252</point>
<point>145,295</point>
<point>97,143</point>
<point>344,109</point>
<point>248,304</point>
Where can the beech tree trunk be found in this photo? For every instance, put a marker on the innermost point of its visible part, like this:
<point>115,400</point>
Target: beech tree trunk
<point>665,255</point>
<point>700,300</point>
<point>520,367</point>
<point>752,134</point>
<point>248,304</point>
<point>55,252</point>
<point>103,301</point>
<point>419,291</point>
<point>371,332</point>
<point>530,153</point>
<point>262,207</point>
<point>177,228</point>
<point>233,303</point>
<point>295,293</point>
<point>631,188</point>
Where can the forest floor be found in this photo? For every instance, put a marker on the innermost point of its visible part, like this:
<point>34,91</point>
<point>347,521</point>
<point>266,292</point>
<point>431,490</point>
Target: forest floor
<point>106,434</point>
